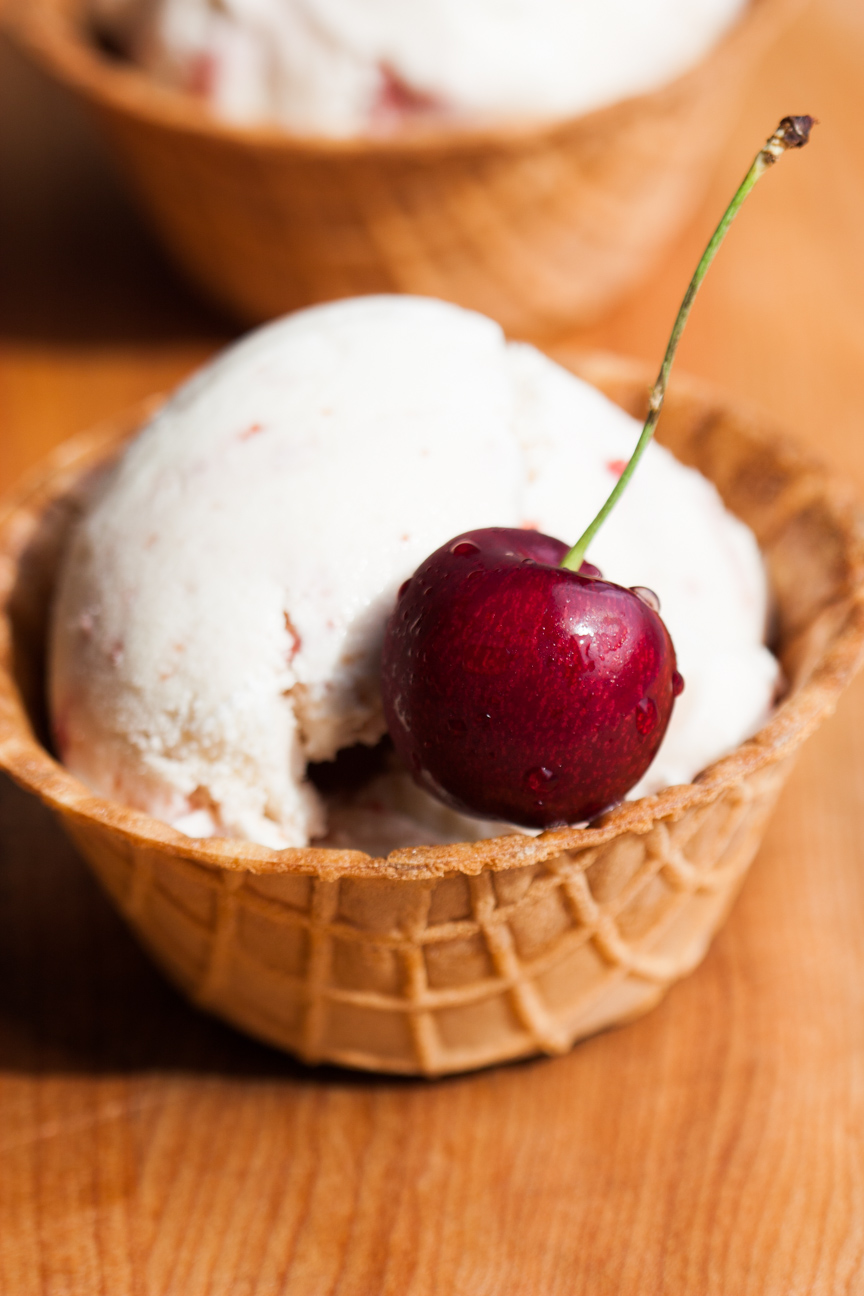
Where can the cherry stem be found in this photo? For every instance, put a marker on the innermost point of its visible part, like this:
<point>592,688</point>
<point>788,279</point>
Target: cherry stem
<point>793,132</point>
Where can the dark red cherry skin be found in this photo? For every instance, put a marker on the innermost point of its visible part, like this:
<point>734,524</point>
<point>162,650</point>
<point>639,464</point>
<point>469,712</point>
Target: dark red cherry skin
<point>515,689</point>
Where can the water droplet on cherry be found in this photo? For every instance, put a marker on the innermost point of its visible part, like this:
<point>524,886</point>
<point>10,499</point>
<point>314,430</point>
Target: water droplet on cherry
<point>677,684</point>
<point>647,596</point>
<point>539,778</point>
<point>465,547</point>
<point>403,588</point>
<point>646,716</point>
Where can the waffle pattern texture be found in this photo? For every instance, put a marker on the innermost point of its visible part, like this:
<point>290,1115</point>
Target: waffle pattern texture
<point>541,226</point>
<point>447,974</point>
<point>444,958</point>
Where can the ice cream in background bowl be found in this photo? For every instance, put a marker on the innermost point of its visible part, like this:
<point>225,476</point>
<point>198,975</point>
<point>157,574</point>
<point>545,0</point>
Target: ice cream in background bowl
<point>348,67</point>
<point>529,161</point>
<point>219,582</point>
<point>222,606</point>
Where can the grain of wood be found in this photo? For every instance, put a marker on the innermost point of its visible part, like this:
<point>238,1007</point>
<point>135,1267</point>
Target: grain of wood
<point>714,1147</point>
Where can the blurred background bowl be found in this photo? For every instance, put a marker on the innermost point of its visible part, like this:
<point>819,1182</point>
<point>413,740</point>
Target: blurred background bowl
<point>542,226</point>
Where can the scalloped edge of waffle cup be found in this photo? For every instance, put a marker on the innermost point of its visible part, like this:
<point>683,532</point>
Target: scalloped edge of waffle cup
<point>442,959</point>
<point>541,225</point>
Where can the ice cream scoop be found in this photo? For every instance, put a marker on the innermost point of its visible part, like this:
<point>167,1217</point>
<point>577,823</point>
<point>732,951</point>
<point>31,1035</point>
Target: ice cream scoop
<point>342,67</point>
<point>222,604</point>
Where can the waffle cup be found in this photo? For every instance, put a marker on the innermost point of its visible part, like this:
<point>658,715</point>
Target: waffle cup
<point>540,226</point>
<point>445,958</point>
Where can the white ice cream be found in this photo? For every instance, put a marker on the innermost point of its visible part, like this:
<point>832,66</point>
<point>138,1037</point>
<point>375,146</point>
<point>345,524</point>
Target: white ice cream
<point>341,67</point>
<point>222,604</point>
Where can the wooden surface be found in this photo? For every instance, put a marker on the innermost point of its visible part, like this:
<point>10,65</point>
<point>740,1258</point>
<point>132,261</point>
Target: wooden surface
<point>717,1146</point>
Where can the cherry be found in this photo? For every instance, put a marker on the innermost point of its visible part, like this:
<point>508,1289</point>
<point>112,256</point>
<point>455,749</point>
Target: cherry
<point>516,689</point>
<point>517,683</point>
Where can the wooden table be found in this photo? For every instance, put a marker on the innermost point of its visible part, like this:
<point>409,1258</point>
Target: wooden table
<point>715,1146</point>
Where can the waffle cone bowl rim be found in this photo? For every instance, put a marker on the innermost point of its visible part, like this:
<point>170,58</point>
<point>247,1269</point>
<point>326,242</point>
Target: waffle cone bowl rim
<point>45,28</point>
<point>28,762</point>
